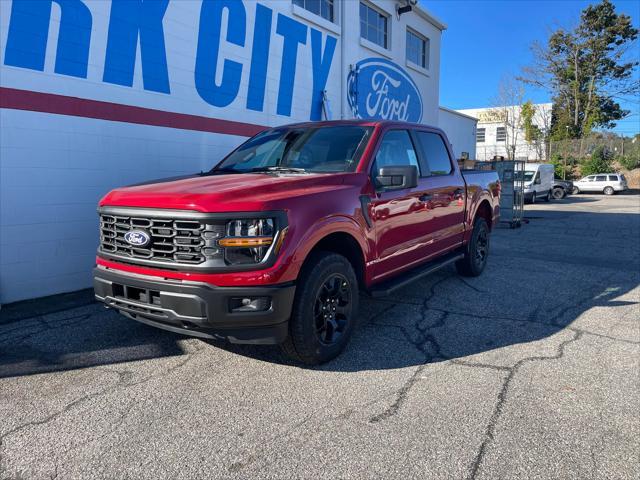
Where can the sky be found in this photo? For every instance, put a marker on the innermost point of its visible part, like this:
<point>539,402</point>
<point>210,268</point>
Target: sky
<point>489,40</point>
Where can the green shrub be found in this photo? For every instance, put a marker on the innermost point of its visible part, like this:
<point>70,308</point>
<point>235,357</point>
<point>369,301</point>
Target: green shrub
<point>600,162</point>
<point>630,161</point>
<point>562,168</point>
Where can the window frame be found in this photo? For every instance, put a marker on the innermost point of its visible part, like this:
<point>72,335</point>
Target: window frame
<point>484,135</point>
<point>503,129</point>
<point>424,162</point>
<point>425,52</point>
<point>332,9</point>
<point>387,18</point>
<point>372,174</point>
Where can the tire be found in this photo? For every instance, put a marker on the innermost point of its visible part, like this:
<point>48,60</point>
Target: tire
<point>327,283</point>
<point>608,191</point>
<point>576,190</point>
<point>558,193</point>
<point>547,198</point>
<point>533,198</point>
<point>473,263</point>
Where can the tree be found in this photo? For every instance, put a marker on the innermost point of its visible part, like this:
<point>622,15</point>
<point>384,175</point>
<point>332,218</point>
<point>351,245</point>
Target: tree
<point>506,110</point>
<point>600,162</point>
<point>536,122</point>
<point>587,69</point>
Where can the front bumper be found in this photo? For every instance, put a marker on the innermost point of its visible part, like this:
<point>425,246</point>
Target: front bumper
<point>197,309</point>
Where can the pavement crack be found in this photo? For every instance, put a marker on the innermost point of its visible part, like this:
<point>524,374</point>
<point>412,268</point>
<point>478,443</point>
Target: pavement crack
<point>123,381</point>
<point>502,397</point>
<point>425,343</point>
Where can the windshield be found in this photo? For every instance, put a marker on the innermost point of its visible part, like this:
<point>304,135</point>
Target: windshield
<point>528,176</point>
<point>304,149</point>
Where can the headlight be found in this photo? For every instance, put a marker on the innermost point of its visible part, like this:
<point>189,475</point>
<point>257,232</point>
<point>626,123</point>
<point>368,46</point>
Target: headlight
<point>247,241</point>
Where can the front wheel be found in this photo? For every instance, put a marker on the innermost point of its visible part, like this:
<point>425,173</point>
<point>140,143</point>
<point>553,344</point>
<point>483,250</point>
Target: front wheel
<point>548,196</point>
<point>608,191</point>
<point>576,190</point>
<point>477,252</point>
<point>533,198</point>
<point>324,309</point>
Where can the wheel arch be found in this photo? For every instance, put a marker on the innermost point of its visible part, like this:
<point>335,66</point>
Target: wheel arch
<point>484,211</point>
<point>345,244</point>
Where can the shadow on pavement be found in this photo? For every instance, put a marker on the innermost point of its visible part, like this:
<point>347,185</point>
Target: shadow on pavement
<point>440,318</point>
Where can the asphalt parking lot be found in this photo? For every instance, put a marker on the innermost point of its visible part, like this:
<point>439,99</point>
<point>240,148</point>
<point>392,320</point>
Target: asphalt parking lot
<point>529,371</point>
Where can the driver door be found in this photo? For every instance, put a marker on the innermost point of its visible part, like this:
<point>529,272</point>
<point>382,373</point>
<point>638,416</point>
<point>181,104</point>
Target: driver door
<point>399,216</point>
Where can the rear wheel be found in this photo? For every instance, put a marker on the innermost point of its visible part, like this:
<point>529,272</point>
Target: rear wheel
<point>324,309</point>
<point>475,257</point>
<point>558,193</point>
<point>576,190</point>
<point>608,191</point>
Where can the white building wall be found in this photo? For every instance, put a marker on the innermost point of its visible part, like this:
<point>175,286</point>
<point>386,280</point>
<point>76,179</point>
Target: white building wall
<point>491,147</point>
<point>461,131</point>
<point>61,151</point>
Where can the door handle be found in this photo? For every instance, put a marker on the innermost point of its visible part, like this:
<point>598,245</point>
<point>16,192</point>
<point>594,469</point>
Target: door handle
<point>425,197</point>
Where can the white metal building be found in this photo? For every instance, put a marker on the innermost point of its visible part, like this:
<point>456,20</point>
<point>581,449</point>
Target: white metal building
<point>495,133</point>
<point>461,131</point>
<point>96,94</point>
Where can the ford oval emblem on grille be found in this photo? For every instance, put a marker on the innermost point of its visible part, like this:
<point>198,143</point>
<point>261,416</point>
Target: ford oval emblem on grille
<point>137,238</point>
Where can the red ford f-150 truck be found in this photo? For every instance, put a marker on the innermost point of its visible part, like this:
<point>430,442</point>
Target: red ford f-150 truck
<point>277,242</point>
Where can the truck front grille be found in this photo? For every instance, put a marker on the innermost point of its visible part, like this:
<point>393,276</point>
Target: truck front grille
<point>173,241</point>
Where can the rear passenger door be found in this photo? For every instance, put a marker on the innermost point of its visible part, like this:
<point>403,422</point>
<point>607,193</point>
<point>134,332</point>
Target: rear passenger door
<point>446,193</point>
<point>599,183</point>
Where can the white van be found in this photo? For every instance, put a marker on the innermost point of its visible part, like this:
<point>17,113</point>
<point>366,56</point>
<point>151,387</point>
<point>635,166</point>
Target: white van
<point>538,181</point>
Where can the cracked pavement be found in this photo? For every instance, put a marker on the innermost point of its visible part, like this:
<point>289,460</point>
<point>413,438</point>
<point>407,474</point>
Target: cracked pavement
<point>529,371</point>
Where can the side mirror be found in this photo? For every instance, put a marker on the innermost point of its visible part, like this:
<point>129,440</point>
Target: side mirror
<point>397,177</point>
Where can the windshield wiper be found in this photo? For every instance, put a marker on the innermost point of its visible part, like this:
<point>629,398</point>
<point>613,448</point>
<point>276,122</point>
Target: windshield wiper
<point>219,171</point>
<point>279,169</point>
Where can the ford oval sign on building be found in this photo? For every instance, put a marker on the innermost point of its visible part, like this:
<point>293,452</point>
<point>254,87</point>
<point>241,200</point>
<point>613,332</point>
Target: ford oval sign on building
<point>381,89</point>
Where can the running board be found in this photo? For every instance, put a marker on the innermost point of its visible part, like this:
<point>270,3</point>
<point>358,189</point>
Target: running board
<point>388,286</point>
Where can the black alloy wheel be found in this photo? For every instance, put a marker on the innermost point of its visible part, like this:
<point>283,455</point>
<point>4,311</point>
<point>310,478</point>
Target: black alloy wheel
<point>482,247</point>
<point>332,309</point>
<point>325,309</point>
<point>477,252</point>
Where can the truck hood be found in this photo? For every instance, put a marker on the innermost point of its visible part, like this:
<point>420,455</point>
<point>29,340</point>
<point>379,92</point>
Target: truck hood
<point>227,192</point>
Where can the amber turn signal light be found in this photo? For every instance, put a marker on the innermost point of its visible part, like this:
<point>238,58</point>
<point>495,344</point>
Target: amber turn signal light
<point>247,242</point>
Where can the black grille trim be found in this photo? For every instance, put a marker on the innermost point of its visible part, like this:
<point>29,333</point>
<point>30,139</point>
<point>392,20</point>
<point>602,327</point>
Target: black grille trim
<point>180,239</point>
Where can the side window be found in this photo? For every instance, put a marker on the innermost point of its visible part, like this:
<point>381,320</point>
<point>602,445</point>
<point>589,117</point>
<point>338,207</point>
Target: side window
<point>601,178</point>
<point>396,148</point>
<point>613,178</point>
<point>590,178</point>
<point>434,153</point>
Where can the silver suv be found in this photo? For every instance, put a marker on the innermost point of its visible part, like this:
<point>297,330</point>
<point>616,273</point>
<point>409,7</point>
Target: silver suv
<point>607,183</point>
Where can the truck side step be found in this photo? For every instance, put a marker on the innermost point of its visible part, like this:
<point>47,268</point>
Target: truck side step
<point>388,286</point>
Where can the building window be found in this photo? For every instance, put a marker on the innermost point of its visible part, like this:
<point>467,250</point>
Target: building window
<point>373,25</point>
<point>324,8</point>
<point>501,134</point>
<point>417,49</point>
<point>480,135</point>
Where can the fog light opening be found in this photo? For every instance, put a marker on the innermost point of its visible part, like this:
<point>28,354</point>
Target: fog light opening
<point>249,304</point>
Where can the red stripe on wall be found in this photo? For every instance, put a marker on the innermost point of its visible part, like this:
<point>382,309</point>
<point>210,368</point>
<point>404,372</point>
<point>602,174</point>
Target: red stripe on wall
<point>81,107</point>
